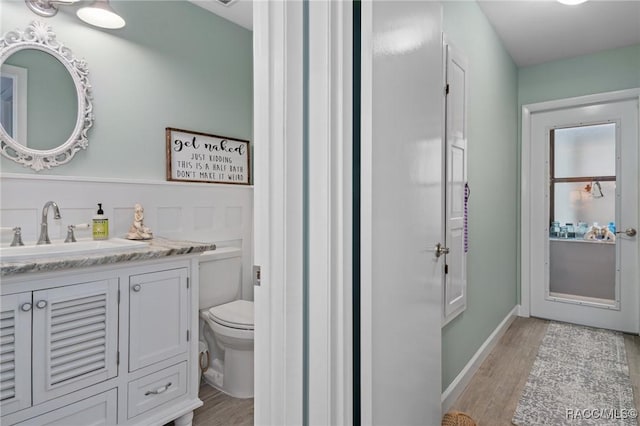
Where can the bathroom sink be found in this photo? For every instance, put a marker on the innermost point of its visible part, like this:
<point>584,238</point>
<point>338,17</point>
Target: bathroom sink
<point>60,249</point>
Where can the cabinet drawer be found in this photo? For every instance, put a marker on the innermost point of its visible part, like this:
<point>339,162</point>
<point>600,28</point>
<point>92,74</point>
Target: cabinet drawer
<point>156,389</point>
<point>99,410</point>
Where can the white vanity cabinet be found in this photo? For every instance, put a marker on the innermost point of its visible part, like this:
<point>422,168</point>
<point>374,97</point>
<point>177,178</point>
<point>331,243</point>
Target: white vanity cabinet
<point>104,345</point>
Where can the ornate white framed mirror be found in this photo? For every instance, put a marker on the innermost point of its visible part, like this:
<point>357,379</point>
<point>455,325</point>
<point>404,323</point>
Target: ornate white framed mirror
<point>59,112</point>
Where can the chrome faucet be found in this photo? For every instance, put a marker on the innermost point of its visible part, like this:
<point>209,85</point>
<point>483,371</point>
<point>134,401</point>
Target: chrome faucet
<point>44,226</point>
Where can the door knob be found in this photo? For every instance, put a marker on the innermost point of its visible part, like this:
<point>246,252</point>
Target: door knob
<point>631,232</point>
<point>137,288</point>
<point>440,250</point>
<point>41,304</point>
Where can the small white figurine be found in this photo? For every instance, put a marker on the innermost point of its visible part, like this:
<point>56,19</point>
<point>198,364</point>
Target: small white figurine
<point>608,235</point>
<point>597,233</point>
<point>138,231</point>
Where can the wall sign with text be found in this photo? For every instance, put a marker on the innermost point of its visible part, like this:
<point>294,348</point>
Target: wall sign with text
<point>200,157</point>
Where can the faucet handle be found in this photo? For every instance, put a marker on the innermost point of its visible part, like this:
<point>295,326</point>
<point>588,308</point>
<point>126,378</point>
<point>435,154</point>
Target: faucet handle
<point>17,237</point>
<point>71,238</point>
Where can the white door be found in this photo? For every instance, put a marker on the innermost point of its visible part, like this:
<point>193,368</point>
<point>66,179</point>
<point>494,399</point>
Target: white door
<point>585,169</point>
<point>456,188</point>
<point>401,212</point>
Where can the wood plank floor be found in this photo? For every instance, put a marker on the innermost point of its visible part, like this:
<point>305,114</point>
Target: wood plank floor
<point>491,397</point>
<point>493,393</point>
<point>632,344</point>
<point>220,409</point>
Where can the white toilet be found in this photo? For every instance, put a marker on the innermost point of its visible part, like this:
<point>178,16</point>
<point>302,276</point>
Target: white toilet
<point>226,323</point>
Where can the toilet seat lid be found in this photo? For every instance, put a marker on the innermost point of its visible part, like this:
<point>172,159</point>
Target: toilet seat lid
<point>236,314</point>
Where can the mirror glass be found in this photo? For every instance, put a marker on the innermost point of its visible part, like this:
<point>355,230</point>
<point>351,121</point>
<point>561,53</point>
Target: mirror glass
<point>49,93</point>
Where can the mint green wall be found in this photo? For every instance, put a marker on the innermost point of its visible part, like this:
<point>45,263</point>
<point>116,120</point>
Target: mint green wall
<point>606,71</point>
<point>493,172</point>
<point>498,89</point>
<point>173,65</point>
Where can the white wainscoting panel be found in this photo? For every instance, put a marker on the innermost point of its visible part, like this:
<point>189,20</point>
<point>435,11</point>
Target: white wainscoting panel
<point>217,213</point>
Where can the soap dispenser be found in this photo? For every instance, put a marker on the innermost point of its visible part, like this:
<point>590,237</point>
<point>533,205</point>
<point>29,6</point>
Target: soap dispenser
<point>100,225</point>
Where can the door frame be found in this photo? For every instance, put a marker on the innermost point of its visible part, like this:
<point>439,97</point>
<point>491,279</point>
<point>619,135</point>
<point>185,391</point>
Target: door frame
<point>303,305</point>
<point>526,173</point>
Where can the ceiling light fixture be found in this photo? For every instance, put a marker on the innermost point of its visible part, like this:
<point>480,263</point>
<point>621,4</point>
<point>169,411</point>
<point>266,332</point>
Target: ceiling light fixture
<point>100,14</point>
<point>47,8</point>
<point>572,2</point>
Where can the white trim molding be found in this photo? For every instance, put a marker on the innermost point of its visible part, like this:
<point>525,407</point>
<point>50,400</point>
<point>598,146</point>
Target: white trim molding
<point>279,83</point>
<point>278,105</point>
<point>330,211</point>
<point>366,206</point>
<point>526,177</point>
<point>455,389</point>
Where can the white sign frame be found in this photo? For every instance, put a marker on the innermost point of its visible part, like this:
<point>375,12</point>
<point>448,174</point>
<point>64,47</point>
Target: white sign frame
<point>202,157</point>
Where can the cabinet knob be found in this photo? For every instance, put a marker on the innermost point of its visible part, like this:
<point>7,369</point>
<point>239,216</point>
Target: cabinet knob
<point>26,307</point>
<point>136,288</point>
<point>40,304</point>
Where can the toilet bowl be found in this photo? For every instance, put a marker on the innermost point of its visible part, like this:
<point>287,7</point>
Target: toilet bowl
<point>228,331</point>
<point>226,323</point>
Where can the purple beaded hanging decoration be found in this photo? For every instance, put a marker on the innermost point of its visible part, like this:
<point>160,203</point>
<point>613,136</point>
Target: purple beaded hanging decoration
<point>467,194</point>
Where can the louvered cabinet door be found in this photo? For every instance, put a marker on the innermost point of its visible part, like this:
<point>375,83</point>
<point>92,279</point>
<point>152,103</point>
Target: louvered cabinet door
<point>75,337</point>
<point>15,352</point>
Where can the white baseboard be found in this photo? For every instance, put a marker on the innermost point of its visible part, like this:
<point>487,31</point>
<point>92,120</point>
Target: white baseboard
<point>455,389</point>
<point>523,311</point>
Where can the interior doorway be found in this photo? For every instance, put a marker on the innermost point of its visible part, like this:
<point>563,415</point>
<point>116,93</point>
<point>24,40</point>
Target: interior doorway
<point>581,201</point>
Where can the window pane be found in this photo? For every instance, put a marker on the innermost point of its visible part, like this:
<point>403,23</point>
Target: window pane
<point>585,151</point>
<point>574,204</point>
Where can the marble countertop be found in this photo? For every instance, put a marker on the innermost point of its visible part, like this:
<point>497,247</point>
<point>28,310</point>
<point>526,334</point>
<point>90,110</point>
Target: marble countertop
<point>158,247</point>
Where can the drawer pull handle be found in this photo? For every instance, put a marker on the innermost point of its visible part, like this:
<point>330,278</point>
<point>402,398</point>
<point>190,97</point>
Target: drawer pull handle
<point>26,307</point>
<point>41,304</point>
<point>158,391</point>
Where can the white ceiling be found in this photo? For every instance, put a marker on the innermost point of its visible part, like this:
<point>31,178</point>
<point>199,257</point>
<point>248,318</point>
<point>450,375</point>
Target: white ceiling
<point>537,31</point>
<point>533,31</point>
<point>238,11</point>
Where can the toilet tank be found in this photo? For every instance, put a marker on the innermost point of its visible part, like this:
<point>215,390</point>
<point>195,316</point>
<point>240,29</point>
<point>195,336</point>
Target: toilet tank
<point>220,276</point>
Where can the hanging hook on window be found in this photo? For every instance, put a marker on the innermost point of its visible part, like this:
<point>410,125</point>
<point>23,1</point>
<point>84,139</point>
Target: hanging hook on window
<point>600,194</point>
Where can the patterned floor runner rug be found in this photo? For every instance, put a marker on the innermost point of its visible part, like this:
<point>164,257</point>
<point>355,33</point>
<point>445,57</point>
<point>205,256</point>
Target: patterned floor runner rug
<point>580,377</point>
